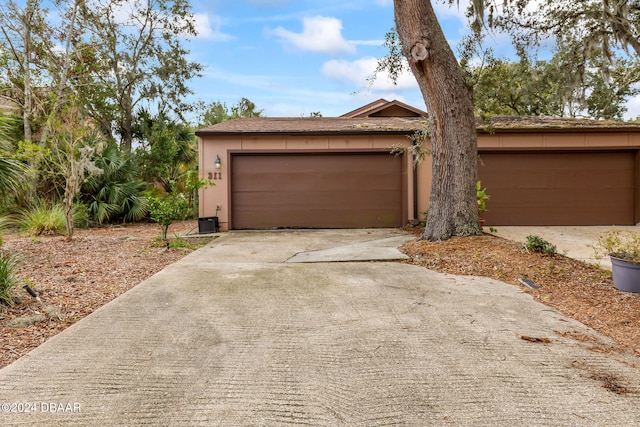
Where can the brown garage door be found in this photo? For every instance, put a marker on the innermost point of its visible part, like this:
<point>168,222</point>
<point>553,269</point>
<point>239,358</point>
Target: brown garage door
<point>559,188</point>
<point>316,190</point>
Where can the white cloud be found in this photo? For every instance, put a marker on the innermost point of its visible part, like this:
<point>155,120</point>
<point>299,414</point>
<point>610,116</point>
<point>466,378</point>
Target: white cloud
<point>633,108</point>
<point>319,34</point>
<point>357,72</point>
<point>208,27</point>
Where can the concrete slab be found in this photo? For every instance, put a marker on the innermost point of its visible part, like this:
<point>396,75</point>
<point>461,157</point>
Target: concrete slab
<point>576,242</point>
<point>374,250</point>
<point>232,335</point>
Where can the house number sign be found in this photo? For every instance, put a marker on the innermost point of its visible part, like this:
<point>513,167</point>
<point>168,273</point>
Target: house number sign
<point>215,176</point>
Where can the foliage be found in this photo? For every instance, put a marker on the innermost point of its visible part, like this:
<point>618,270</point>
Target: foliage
<point>142,58</point>
<point>8,266</point>
<point>114,55</point>
<point>194,184</point>
<point>42,219</point>
<point>179,243</point>
<point>538,244</point>
<point>621,244</point>
<point>218,112</point>
<point>5,221</point>
<point>117,193</point>
<point>417,148</point>
<point>166,150</point>
<point>166,209</point>
<point>12,171</point>
<point>73,145</point>
<point>482,196</point>
<point>81,215</point>
<point>562,86</point>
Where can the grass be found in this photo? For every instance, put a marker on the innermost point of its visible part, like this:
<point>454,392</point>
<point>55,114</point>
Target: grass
<point>8,281</point>
<point>43,219</point>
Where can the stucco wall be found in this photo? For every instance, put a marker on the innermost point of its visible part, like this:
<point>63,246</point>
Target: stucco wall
<point>219,195</point>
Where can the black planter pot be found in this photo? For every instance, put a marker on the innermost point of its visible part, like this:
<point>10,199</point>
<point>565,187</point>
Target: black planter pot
<point>626,275</point>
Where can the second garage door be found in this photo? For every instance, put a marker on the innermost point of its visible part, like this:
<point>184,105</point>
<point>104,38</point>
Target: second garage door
<point>316,190</point>
<point>559,188</point>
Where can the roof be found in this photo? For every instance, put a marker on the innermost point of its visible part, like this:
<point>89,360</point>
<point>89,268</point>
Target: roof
<point>551,124</point>
<point>314,125</point>
<point>384,116</point>
<point>365,125</point>
<point>384,108</point>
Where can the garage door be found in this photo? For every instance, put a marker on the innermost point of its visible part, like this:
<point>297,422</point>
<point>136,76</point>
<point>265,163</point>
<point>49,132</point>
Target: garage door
<point>559,188</point>
<point>316,190</point>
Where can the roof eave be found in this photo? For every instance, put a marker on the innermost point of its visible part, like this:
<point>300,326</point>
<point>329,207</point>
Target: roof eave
<point>205,132</point>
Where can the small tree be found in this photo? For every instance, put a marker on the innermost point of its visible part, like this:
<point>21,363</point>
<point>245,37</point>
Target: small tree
<point>167,209</point>
<point>73,145</point>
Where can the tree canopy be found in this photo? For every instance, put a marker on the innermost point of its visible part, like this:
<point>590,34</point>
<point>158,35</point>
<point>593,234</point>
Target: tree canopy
<point>117,56</point>
<point>218,112</point>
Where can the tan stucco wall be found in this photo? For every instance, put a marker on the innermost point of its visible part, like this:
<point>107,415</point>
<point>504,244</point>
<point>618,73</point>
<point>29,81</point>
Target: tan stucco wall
<point>559,140</point>
<point>219,195</point>
<point>532,141</point>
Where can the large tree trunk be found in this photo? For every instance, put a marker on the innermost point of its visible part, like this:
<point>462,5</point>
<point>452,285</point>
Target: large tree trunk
<point>453,209</point>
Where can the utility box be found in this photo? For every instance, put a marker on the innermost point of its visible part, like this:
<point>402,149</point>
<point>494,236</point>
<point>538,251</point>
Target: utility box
<point>208,225</point>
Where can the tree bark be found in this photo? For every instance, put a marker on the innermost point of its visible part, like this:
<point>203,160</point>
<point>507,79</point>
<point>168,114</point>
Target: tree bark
<point>453,209</point>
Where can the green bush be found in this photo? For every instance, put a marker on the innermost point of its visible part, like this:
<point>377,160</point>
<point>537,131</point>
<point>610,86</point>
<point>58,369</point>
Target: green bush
<point>8,281</point>
<point>538,244</point>
<point>117,193</point>
<point>81,215</point>
<point>167,209</point>
<point>42,219</point>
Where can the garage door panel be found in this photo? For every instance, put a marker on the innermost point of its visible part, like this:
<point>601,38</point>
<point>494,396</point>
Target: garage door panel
<point>319,190</point>
<point>559,188</point>
<point>319,200</point>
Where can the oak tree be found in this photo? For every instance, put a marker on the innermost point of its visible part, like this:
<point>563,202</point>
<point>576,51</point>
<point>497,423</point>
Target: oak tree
<point>595,29</point>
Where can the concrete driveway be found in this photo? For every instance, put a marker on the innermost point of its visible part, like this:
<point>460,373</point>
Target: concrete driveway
<point>578,242</point>
<point>234,335</point>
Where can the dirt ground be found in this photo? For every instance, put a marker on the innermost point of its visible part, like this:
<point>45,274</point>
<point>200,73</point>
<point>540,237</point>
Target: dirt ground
<point>72,279</point>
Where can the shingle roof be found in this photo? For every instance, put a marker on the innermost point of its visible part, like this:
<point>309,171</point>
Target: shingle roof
<point>384,108</point>
<point>314,125</point>
<point>343,125</point>
<point>541,123</point>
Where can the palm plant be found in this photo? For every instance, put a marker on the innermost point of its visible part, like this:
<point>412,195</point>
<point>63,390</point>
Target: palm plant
<point>166,151</point>
<point>12,171</point>
<point>116,193</point>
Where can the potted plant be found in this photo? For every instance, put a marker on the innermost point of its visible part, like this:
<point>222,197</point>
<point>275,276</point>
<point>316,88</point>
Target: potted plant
<point>482,196</point>
<point>624,249</point>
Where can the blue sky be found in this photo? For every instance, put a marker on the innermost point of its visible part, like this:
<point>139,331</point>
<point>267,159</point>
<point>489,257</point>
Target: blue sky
<point>295,57</point>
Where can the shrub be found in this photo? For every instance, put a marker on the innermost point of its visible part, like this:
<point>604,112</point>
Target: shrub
<point>623,244</point>
<point>538,244</point>
<point>81,215</point>
<point>43,219</point>
<point>117,193</point>
<point>8,265</point>
<point>167,209</point>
